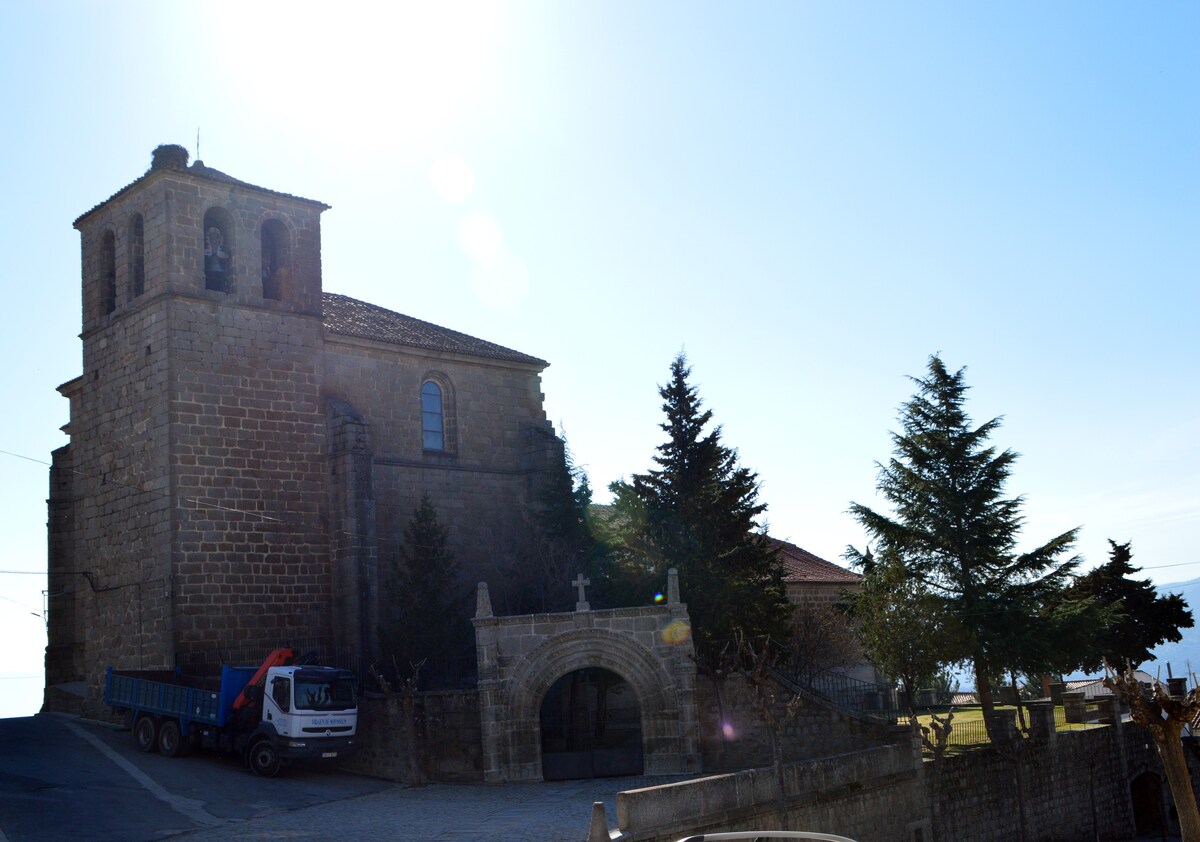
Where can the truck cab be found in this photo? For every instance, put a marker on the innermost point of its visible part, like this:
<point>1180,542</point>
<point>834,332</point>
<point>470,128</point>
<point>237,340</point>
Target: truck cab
<point>308,713</point>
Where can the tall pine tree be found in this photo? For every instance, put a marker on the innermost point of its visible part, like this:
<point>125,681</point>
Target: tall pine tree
<point>956,532</point>
<point>557,544</point>
<point>698,512</point>
<point>425,610</point>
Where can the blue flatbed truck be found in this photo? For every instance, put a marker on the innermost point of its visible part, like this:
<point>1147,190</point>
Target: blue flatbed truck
<point>272,715</point>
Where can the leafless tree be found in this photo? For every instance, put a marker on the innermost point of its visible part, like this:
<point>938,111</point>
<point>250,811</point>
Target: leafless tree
<point>757,661</point>
<point>406,691</point>
<point>1164,717</point>
<point>821,638</point>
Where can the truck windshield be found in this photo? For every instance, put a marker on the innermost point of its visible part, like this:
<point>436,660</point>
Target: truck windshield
<point>321,692</point>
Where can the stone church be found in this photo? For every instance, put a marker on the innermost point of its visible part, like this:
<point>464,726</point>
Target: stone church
<point>246,448</point>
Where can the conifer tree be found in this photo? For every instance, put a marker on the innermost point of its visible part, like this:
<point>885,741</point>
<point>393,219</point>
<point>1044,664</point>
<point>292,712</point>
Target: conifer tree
<point>698,512</point>
<point>424,616</point>
<point>1144,619</point>
<point>558,542</point>
<point>956,532</point>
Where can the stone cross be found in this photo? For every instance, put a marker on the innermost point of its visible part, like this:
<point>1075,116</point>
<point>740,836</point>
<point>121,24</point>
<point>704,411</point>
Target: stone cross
<point>581,583</point>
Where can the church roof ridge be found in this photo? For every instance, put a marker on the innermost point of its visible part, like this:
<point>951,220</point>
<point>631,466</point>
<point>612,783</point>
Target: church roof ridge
<point>348,316</point>
<point>197,169</point>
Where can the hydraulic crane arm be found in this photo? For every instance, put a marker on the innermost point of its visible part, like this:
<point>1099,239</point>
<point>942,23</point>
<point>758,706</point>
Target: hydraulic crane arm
<point>278,658</point>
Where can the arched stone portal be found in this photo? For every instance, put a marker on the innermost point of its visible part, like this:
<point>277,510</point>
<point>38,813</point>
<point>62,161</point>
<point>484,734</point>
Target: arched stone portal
<point>521,658</point>
<point>591,727</point>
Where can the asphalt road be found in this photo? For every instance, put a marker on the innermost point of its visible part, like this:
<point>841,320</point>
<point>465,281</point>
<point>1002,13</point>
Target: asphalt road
<point>65,778</point>
<point>62,778</point>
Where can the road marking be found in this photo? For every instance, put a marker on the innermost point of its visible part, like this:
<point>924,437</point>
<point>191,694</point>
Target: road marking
<point>189,807</point>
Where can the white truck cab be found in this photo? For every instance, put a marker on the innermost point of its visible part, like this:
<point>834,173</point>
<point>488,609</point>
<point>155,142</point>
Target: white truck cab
<point>310,713</point>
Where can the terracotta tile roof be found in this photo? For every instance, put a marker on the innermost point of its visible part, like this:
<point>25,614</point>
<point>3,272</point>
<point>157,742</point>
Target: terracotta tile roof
<point>198,170</point>
<point>802,566</point>
<point>350,317</point>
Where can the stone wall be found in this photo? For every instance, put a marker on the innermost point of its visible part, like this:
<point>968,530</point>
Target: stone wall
<point>110,566</point>
<point>1074,787</point>
<point>870,796</point>
<point>446,729</point>
<point>1065,790</point>
<point>248,450</point>
<point>732,736</point>
<point>482,482</point>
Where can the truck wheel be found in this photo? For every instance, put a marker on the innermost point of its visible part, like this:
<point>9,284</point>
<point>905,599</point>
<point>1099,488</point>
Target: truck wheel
<point>170,739</point>
<point>145,733</point>
<point>263,759</point>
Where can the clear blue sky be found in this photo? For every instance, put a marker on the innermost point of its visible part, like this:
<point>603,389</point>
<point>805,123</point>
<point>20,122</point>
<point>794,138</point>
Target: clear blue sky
<point>809,199</point>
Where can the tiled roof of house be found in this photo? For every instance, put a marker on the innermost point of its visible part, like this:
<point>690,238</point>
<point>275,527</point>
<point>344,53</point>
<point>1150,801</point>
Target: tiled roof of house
<point>1095,686</point>
<point>350,317</point>
<point>802,566</point>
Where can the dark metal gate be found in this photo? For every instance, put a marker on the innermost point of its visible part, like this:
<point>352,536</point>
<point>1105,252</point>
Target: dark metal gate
<point>591,727</point>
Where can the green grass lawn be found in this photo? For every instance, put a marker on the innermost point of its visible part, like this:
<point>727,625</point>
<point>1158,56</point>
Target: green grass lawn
<point>967,729</point>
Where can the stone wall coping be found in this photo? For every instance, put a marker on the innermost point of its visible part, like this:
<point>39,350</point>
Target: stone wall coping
<point>702,801</point>
<point>565,616</point>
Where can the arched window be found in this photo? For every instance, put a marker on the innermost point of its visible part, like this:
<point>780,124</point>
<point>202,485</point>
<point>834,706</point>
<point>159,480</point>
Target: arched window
<point>137,257</point>
<point>433,429</point>
<point>218,250</point>
<point>276,260</point>
<point>108,270</point>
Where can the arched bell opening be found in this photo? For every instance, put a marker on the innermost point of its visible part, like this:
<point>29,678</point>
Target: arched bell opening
<point>276,255</point>
<point>591,727</point>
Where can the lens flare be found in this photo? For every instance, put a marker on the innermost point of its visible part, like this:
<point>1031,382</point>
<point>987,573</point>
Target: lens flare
<point>658,597</point>
<point>727,730</point>
<point>676,632</point>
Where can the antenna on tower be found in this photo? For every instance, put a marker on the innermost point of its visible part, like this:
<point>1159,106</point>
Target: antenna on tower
<point>197,143</point>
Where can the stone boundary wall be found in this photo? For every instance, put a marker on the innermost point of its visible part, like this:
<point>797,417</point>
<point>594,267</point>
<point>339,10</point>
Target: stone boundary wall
<point>733,737</point>
<point>446,728</point>
<point>1056,791</point>
<point>867,795</point>
<point>1075,787</point>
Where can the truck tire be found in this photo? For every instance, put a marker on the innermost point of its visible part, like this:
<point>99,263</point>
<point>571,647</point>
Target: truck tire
<point>263,759</point>
<point>145,732</point>
<point>171,741</point>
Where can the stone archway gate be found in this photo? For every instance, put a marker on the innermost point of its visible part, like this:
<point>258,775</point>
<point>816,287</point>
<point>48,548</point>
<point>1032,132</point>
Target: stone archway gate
<point>520,657</point>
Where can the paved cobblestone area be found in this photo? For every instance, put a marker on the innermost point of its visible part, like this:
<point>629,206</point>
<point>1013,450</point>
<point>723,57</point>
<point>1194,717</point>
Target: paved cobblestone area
<point>529,812</point>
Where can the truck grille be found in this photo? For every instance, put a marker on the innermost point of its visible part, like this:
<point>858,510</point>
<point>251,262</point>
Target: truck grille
<point>340,729</point>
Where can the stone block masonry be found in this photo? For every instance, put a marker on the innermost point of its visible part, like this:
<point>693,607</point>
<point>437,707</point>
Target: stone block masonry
<point>871,796</point>
<point>1103,783</point>
<point>446,728</point>
<point>480,483</point>
<point>248,436</point>
<point>245,449</point>
<point>521,657</point>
